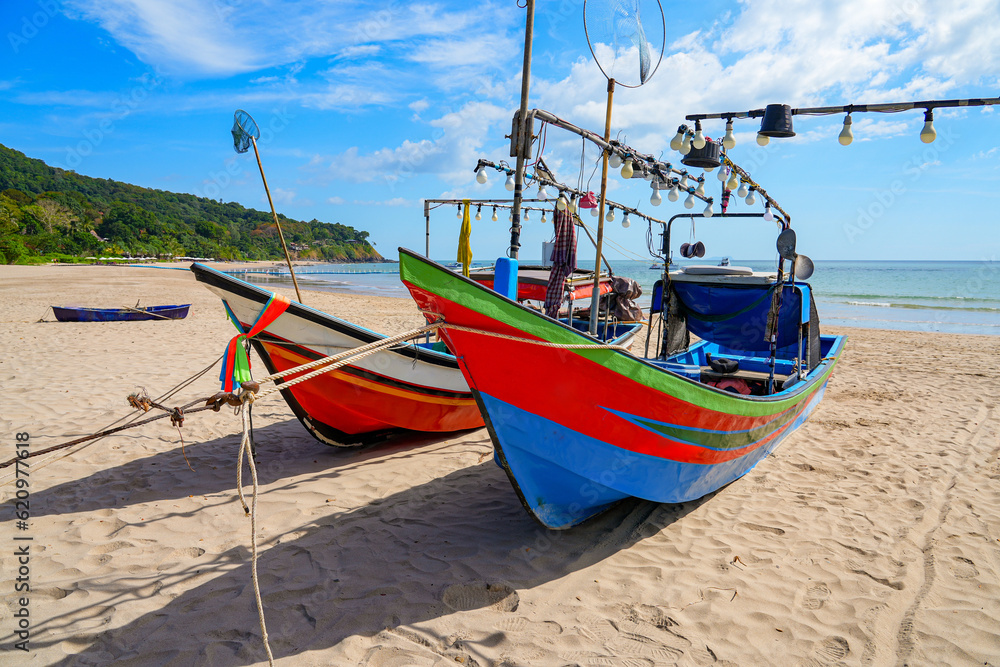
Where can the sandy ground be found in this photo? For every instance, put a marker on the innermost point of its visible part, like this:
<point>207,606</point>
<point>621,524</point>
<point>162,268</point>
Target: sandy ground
<point>869,538</point>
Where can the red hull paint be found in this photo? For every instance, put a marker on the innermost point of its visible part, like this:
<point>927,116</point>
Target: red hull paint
<point>357,404</point>
<point>533,292</point>
<point>571,408</point>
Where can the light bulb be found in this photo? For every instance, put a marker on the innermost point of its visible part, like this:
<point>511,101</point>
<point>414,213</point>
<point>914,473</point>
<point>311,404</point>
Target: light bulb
<point>742,192</point>
<point>762,139</point>
<point>767,213</point>
<point>689,202</point>
<point>593,211</point>
<point>686,145</point>
<point>525,216</point>
<point>542,193</point>
<point>615,161</point>
<point>846,136</point>
<point>494,218</point>
<point>700,190</point>
<point>611,214</point>
<point>723,173</point>
<point>627,170</point>
<point>675,143</point>
<point>625,222</point>
<point>656,198</point>
<point>751,198</point>
<point>572,205</point>
<point>672,195</point>
<point>734,182</point>
<point>648,175</point>
<point>510,216</point>
<point>543,218</point>
<point>561,203</point>
<point>698,141</point>
<point>928,134</point>
<point>510,183</point>
<point>481,175</point>
<point>709,211</point>
<point>709,170</point>
<point>683,185</point>
<point>729,141</point>
<point>459,214</point>
<point>479,213</point>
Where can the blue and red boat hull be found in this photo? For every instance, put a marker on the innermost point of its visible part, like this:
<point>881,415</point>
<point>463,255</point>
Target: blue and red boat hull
<point>577,430</point>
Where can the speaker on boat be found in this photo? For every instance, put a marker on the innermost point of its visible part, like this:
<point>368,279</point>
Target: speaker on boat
<point>686,250</point>
<point>707,157</point>
<point>777,121</point>
<point>698,249</point>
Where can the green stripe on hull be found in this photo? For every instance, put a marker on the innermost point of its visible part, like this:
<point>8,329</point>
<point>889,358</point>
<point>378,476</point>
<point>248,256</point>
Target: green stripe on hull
<point>469,294</point>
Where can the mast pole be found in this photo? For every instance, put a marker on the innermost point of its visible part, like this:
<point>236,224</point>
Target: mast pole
<point>595,297</point>
<point>522,142</point>
<point>275,216</point>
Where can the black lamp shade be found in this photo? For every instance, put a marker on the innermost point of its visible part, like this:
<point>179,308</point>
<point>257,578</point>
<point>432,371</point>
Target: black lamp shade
<point>707,157</point>
<point>777,121</point>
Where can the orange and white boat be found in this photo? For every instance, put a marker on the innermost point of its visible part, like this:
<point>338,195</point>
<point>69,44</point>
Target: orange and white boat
<point>406,387</point>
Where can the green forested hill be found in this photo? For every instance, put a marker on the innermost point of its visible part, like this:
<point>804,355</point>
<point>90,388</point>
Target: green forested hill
<point>50,212</point>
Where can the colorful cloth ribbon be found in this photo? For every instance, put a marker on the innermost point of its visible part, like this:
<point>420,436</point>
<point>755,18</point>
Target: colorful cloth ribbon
<point>236,364</point>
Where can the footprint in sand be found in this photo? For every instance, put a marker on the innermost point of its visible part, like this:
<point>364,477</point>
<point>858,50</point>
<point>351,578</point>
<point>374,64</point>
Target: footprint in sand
<point>816,596</point>
<point>833,649</point>
<point>763,529</point>
<point>963,568</point>
<point>466,597</point>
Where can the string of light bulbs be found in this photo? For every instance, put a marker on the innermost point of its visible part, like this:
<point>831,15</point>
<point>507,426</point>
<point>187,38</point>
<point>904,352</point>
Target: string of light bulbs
<point>777,120</point>
<point>633,164</point>
<point>574,194</point>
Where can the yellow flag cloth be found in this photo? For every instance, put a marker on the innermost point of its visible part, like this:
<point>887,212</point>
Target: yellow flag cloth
<point>464,249</point>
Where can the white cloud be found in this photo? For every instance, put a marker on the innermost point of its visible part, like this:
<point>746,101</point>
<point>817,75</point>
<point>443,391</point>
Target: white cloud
<point>191,38</point>
<point>336,201</point>
<point>358,51</point>
<point>281,196</point>
<point>459,138</point>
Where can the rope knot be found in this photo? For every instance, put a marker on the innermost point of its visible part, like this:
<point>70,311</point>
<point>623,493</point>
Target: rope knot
<point>177,417</point>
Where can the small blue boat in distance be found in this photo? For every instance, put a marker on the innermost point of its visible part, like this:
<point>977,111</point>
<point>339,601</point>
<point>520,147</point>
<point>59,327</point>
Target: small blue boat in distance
<point>121,314</point>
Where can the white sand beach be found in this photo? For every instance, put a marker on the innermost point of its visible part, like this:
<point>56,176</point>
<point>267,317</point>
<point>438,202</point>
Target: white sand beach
<point>870,537</point>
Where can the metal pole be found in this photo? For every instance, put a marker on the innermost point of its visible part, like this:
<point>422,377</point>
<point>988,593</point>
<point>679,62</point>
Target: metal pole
<point>427,222</point>
<point>276,223</point>
<point>523,142</point>
<point>596,296</point>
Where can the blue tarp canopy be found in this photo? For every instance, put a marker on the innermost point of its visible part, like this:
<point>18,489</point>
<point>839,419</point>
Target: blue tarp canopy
<point>735,316</point>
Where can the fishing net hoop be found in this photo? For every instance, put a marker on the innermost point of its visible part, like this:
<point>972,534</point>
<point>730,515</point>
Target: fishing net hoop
<point>244,129</point>
<point>643,78</point>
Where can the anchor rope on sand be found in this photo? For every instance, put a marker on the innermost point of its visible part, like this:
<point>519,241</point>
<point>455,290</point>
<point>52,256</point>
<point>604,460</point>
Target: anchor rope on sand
<point>250,392</point>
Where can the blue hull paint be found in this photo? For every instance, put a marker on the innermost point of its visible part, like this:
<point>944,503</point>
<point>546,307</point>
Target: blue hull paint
<point>564,477</point>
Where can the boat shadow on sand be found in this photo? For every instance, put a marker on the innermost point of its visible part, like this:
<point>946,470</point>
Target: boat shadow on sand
<point>459,542</point>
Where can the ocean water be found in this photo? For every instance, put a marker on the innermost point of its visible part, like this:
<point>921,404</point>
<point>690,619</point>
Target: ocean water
<point>951,297</point>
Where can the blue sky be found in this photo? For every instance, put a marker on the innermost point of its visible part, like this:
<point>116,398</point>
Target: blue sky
<point>369,107</point>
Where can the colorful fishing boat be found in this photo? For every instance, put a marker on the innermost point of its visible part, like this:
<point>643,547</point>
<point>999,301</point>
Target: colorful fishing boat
<point>75,314</point>
<point>577,430</point>
<point>408,387</point>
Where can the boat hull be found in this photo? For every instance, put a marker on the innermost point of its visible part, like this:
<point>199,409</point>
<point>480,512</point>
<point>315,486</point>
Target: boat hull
<point>578,430</point>
<point>400,389</point>
<point>121,314</point>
